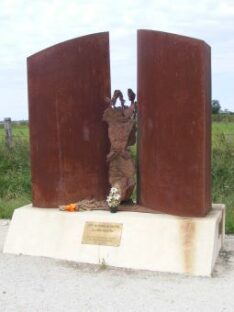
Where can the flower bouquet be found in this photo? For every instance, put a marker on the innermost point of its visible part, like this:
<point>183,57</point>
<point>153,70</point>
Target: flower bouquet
<point>114,198</point>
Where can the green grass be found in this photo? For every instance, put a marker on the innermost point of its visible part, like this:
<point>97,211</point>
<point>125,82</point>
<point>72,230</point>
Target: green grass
<point>18,131</point>
<point>7,206</point>
<point>223,170</point>
<point>223,118</point>
<point>15,180</point>
<point>222,127</point>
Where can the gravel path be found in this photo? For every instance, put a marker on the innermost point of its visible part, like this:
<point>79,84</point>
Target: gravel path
<point>31,284</point>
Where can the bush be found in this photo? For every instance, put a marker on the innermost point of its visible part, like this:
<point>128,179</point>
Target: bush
<point>215,106</point>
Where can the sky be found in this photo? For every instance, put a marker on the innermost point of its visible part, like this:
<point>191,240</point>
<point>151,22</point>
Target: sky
<point>28,26</point>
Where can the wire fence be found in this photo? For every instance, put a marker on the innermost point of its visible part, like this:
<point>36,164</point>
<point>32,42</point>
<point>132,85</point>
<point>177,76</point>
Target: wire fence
<point>219,137</point>
<point>15,132</point>
<point>15,138</point>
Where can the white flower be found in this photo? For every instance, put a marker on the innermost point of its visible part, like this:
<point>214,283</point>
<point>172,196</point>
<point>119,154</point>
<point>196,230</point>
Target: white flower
<point>114,197</point>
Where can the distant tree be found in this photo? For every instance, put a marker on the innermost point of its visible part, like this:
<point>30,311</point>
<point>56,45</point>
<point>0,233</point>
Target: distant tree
<point>216,107</point>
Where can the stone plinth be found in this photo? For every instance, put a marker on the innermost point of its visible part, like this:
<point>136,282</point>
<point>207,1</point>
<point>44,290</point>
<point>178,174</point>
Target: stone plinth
<point>157,242</point>
<point>174,112</point>
<point>67,85</point>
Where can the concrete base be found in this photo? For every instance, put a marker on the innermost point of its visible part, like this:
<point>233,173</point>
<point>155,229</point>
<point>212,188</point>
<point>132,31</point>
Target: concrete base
<point>156,242</point>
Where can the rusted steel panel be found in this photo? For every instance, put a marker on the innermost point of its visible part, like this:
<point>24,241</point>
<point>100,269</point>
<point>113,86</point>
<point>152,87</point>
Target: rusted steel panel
<point>67,86</point>
<point>174,96</point>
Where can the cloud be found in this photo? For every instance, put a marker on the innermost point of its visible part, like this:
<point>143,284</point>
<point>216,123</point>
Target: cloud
<point>30,26</point>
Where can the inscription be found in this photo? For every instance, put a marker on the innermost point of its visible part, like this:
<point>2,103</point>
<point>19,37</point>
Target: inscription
<point>102,233</point>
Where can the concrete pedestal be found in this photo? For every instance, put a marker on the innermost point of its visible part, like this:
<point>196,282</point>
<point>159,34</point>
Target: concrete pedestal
<point>157,242</point>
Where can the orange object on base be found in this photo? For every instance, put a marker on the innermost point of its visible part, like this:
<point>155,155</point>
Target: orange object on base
<point>70,207</point>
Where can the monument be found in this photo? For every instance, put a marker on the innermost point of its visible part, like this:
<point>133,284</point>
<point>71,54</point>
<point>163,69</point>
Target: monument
<point>80,158</point>
<point>174,96</point>
<point>67,86</point>
<point>122,134</point>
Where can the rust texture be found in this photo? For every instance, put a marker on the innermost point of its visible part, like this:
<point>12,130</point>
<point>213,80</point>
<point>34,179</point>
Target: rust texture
<point>122,134</point>
<point>174,96</point>
<point>67,85</point>
<point>188,242</point>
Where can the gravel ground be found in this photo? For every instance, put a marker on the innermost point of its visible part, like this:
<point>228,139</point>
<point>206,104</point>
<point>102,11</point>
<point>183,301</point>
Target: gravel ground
<point>31,284</point>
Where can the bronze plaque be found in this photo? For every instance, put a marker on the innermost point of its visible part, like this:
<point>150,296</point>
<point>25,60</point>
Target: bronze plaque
<point>102,233</point>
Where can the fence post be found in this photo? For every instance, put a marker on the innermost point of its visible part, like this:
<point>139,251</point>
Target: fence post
<point>8,131</point>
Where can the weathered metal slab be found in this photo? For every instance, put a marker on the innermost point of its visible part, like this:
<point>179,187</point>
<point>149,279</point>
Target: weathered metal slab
<point>67,86</point>
<point>102,233</point>
<point>174,96</point>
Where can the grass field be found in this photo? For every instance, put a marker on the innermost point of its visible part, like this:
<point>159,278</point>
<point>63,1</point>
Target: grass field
<point>217,129</point>
<point>17,131</point>
<point>15,185</point>
<point>15,179</point>
<point>223,168</point>
<point>225,127</point>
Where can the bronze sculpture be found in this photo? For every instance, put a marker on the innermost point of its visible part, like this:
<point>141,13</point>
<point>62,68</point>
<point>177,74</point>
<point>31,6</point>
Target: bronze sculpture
<point>122,134</point>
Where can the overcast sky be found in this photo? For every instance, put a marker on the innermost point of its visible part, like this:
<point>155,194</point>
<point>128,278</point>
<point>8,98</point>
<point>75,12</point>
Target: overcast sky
<point>28,26</point>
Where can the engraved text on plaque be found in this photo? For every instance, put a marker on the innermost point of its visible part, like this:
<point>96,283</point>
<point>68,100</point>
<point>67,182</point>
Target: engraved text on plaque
<point>102,233</point>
